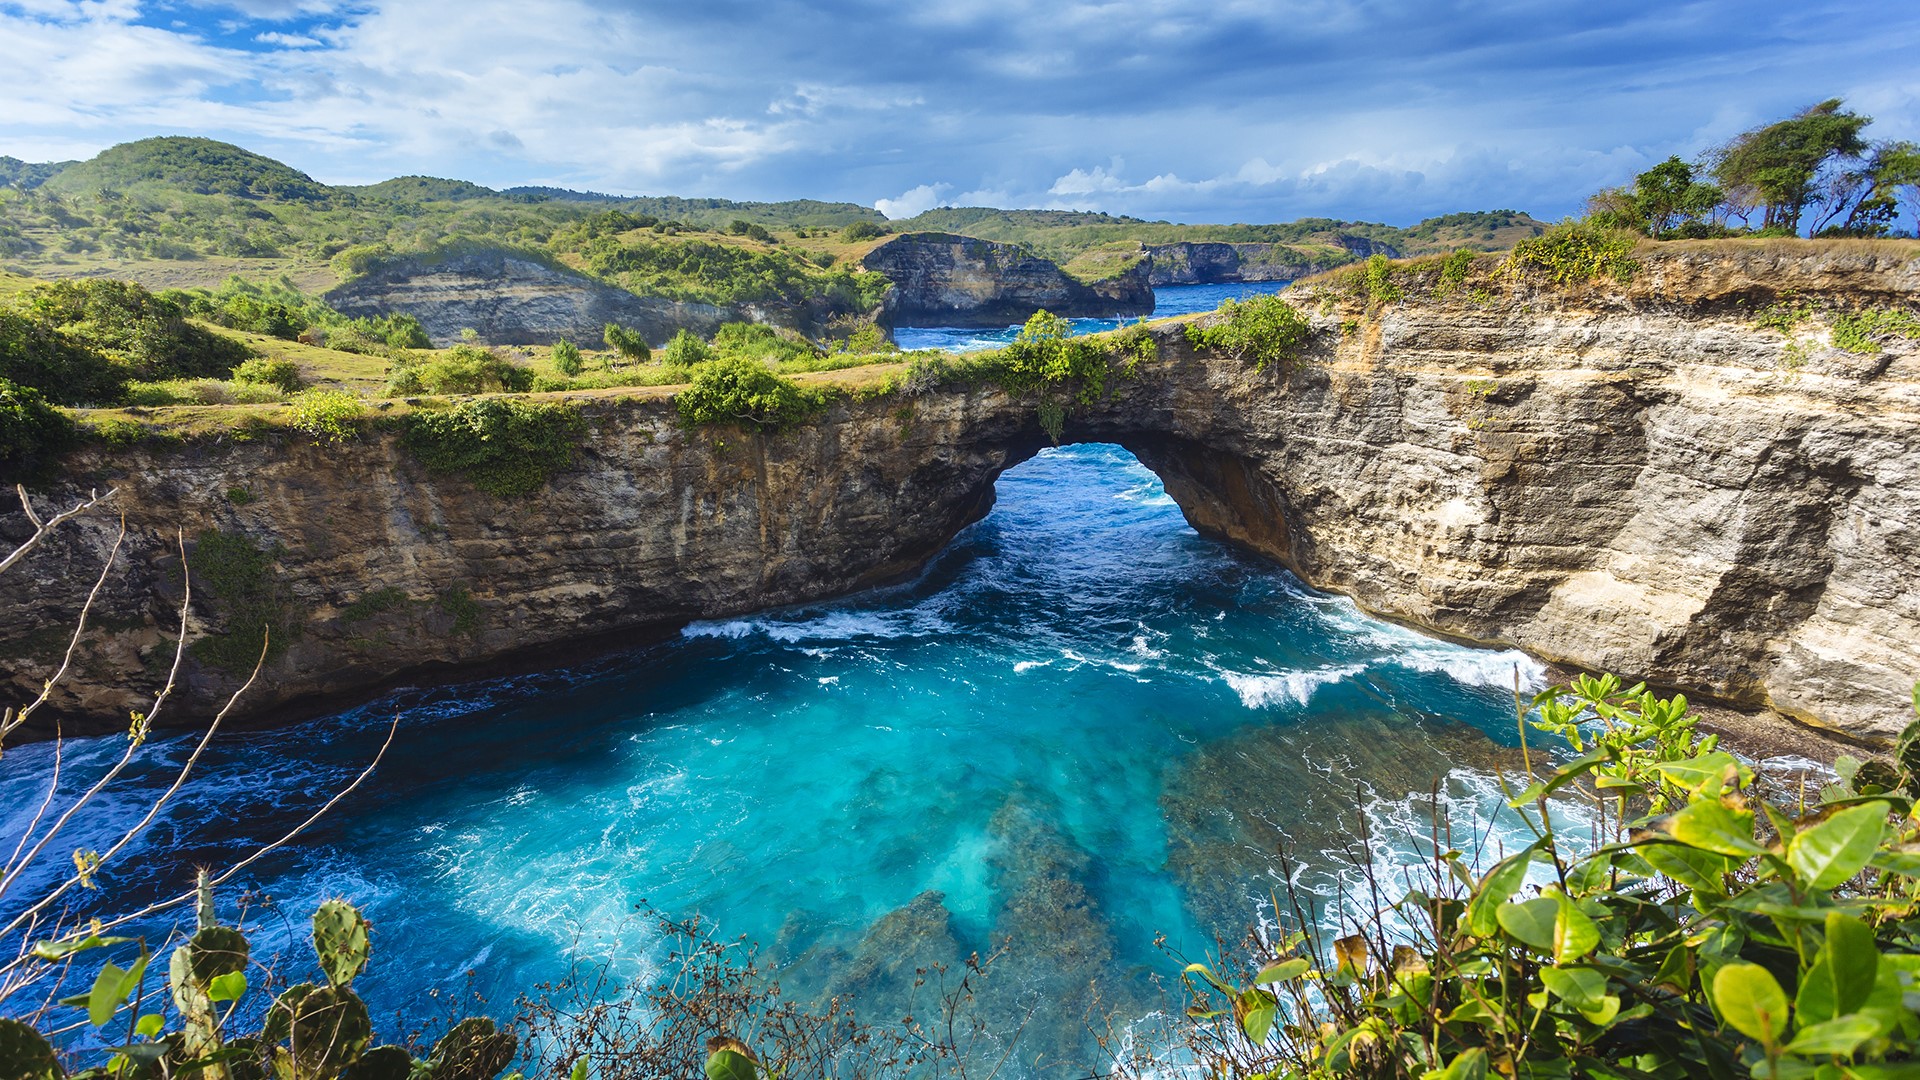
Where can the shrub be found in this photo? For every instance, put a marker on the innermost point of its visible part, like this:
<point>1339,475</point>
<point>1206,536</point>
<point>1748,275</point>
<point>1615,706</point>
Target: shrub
<point>1263,329</point>
<point>1711,931</point>
<point>566,358</point>
<point>33,433</point>
<point>863,230</point>
<point>279,373</point>
<point>1859,331</point>
<point>1574,253</point>
<point>758,341</point>
<point>504,446</point>
<point>126,323</point>
<point>742,392</point>
<point>1453,271</point>
<point>628,343</point>
<point>330,416</point>
<point>1045,353</point>
<point>1377,277</point>
<point>684,351</point>
<point>33,353</point>
<point>463,369</point>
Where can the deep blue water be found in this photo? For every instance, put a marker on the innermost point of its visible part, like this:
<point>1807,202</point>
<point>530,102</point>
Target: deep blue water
<point>1168,300</point>
<point>1082,726</point>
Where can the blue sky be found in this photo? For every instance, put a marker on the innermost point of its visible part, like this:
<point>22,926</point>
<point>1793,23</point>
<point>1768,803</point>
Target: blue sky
<point>1231,110</point>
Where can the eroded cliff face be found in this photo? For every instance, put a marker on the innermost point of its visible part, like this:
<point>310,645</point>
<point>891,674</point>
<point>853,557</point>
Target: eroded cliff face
<point>513,301</point>
<point>943,280</point>
<point>1210,262</point>
<point>1636,479</point>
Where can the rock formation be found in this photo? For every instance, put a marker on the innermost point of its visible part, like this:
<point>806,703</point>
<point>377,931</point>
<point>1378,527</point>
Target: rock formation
<point>512,299</point>
<point>943,280</point>
<point>1208,262</point>
<point>1637,478</point>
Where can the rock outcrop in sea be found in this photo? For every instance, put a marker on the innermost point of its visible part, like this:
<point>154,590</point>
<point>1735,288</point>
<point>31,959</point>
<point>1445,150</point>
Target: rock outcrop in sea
<point>944,280</point>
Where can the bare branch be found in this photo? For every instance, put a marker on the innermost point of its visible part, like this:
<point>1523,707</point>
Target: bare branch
<point>43,528</point>
<point>14,720</point>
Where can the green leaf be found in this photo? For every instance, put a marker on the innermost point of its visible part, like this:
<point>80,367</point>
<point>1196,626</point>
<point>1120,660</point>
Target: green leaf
<point>1839,1036</point>
<point>1904,863</point>
<point>227,987</point>
<point>1258,1023</point>
<point>105,997</point>
<point>1713,826</point>
<point>1469,1064</point>
<point>1581,988</point>
<point>60,950</point>
<point>1750,1000</point>
<point>1207,974</point>
<point>1701,871</point>
<point>579,1070</point>
<point>1282,971</point>
<point>149,1025</point>
<point>1500,883</point>
<point>1574,934</point>
<point>724,1064</point>
<point>1531,922</point>
<point>1836,849</point>
<point>1706,775</point>
<point>1854,958</point>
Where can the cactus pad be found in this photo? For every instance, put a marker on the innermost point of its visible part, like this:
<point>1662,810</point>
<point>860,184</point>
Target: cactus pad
<point>341,937</point>
<point>381,1063</point>
<point>473,1050</point>
<point>324,1028</point>
<point>24,1055</point>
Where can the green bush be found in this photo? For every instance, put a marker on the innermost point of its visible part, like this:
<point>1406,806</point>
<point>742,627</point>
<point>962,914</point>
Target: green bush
<point>1045,353</point>
<point>504,446</point>
<point>1574,253</point>
<point>33,434</point>
<point>280,373</point>
<point>330,416</point>
<point>148,334</point>
<point>863,230</point>
<point>758,341</point>
<point>1708,929</point>
<point>463,369</point>
<point>628,343</point>
<point>33,353</point>
<point>1453,271</point>
<point>1263,329</point>
<point>742,392</point>
<point>1377,278</point>
<point>566,358</point>
<point>685,350</point>
<point>1860,331</point>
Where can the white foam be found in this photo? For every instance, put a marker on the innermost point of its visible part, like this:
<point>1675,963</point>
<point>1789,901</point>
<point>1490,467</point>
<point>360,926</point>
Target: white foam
<point>1024,666</point>
<point>833,626</point>
<point>1478,667</point>
<point>1291,687</point>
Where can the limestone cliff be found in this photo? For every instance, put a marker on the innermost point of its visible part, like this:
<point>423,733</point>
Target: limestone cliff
<point>1638,478</point>
<point>1209,262</point>
<point>512,300</point>
<point>943,280</point>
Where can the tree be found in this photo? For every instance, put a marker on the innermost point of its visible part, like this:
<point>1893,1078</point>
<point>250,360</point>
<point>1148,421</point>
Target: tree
<point>685,350</point>
<point>628,343</point>
<point>566,358</point>
<point>1666,197</point>
<point>1777,169</point>
<point>1863,198</point>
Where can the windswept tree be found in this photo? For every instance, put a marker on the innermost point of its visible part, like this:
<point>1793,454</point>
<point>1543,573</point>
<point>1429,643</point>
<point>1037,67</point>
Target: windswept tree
<point>1666,198</point>
<point>1778,169</point>
<point>628,343</point>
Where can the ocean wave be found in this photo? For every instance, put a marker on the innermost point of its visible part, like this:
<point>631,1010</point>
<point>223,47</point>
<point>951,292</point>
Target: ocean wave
<point>1284,688</point>
<point>834,626</point>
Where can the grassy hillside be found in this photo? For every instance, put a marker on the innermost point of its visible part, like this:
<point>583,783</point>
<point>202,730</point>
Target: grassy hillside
<point>179,212</point>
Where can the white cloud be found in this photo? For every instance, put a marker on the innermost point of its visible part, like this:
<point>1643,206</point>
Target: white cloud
<point>916,200</point>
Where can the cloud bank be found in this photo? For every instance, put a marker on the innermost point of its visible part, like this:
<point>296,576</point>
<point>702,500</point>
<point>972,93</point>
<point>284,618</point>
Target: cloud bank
<point>1234,110</point>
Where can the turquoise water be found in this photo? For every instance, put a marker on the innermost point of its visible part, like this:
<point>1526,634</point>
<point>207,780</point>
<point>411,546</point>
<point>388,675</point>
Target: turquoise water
<point>1168,300</point>
<point>1082,726</point>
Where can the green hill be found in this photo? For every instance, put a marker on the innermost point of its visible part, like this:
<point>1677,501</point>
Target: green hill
<point>424,189</point>
<point>200,166</point>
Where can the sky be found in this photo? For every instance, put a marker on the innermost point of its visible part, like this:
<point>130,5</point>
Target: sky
<point>1228,110</point>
